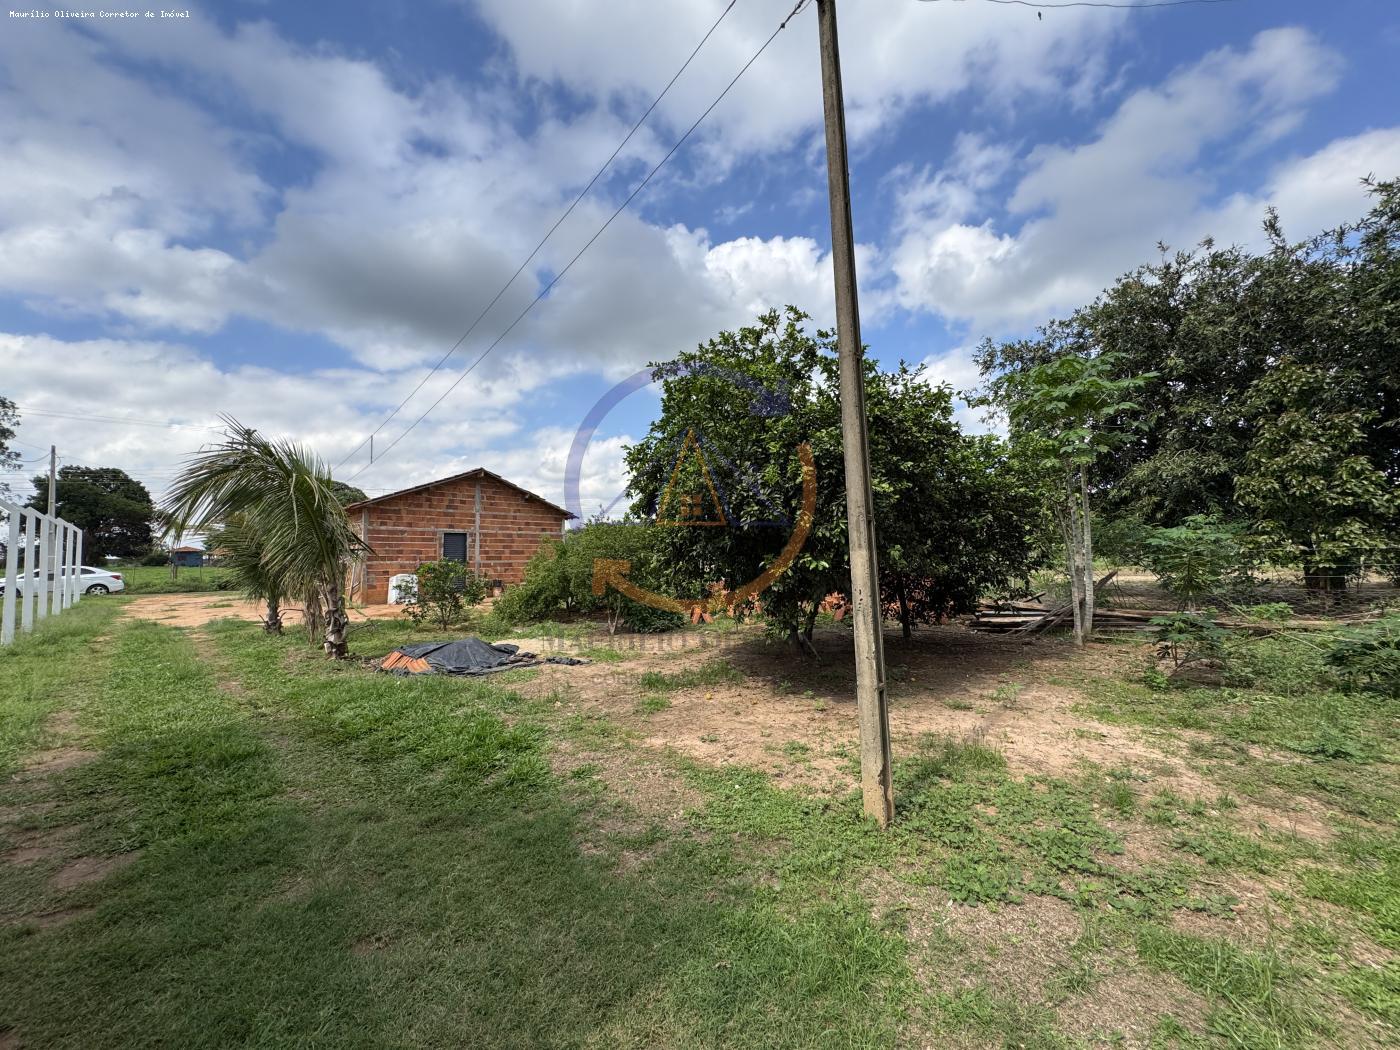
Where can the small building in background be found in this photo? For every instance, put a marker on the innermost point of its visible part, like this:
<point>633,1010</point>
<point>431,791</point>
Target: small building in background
<point>491,525</point>
<point>187,557</point>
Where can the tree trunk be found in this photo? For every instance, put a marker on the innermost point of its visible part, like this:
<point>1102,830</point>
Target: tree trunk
<point>337,622</point>
<point>1070,524</point>
<point>801,643</point>
<point>811,623</point>
<point>903,607</point>
<point>1087,553</point>
<point>311,617</point>
<point>272,622</point>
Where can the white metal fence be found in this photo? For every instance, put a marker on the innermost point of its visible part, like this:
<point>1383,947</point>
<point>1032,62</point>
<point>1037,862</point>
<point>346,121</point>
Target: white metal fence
<point>43,568</point>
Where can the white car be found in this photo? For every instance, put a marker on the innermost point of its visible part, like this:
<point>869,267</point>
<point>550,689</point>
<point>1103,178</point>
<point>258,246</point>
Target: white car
<point>92,581</point>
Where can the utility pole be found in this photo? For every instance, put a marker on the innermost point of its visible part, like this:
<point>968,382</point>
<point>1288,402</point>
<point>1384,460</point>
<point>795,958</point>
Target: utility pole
<point>53,477</point>
<point>876,788</point>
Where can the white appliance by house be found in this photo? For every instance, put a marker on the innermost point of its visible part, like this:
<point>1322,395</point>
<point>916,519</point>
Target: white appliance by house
<point>402,587</point>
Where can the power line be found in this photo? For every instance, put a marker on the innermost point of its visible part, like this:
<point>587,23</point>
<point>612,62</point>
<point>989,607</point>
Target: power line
<point>548,234</point>
<point>164,424</point>
<point>1093,3</point>
<point>797,9</point>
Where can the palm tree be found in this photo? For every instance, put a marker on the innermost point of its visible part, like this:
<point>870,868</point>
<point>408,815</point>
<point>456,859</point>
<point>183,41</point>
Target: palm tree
<point>284,494</point>
<point>245,560</point>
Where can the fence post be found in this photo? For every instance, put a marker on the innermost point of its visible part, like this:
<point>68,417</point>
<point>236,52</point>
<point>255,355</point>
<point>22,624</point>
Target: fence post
<point>7,618</point>
<point>65,580</point>
<point>73,577</point>
<point>78,558</point>
<point>31,590</point>
<point>60,564</point>
<point>39,580</point>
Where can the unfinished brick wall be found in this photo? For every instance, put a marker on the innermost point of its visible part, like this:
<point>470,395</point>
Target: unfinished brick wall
<point>406,531</point>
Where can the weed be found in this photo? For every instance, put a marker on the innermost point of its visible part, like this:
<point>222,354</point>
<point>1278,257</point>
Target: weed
<point>652,703</point>
<point>715,672</point>
<point>1252,1007</point>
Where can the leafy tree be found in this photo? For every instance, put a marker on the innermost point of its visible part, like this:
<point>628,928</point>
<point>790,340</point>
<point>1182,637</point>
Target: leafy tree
<point>284,492</point>
<point>1197,558</point>
<point>9,458</point>
<point>733,415</point>
<point>444,591</point>
<point>1308,483</point>
<point>346,493</point>
<point>1257,364</point>
<point>113,509</point>
<point>1062,410</point>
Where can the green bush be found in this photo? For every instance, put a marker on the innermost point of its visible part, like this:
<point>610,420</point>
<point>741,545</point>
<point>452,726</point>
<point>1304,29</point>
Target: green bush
<point>1188,637</point>
<point>1367,658</point>
<point>445,590</point>
<point>559,579</point>
<point>1198,558</point>
<point>156,558</point>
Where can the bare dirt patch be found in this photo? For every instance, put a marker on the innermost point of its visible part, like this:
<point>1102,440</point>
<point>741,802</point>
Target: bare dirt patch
<point>196,610</point>
<point>38,846</point>
<point>796,720</point>
<point>85,870</point>
<point>54,760</point>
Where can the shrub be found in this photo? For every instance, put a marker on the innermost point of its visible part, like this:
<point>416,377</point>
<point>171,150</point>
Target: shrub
<point>1200,557</point>
<point>1189,636</point>
<point>1367,657</point>
<point>559,579</point>
<point>156,558</point>
<point>446,589</point>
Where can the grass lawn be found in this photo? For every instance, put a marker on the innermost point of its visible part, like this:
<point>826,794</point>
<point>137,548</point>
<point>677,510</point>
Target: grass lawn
<point>155,579</point>
<point>211,838</point>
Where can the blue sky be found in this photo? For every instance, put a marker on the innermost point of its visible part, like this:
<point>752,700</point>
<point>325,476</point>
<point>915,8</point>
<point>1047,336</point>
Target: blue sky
<point>288,212</point>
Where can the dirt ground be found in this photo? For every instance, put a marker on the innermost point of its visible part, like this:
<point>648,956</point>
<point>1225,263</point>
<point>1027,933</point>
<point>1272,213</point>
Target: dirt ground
<point>195,610</point>
<point>796,720</point>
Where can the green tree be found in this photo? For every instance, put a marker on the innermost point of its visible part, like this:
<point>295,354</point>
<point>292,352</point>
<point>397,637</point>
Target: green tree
<point>346,493</point>
<point>285,493</point>
<point>443,592</point>
<point>1064,411</point>
<point>1313,493</point>
<point>113,509</point>
<point>9,458</point>
<point>746,400</point>
<point>1226,337</point>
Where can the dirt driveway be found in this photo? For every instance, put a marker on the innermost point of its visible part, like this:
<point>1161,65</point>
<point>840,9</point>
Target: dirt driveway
<point>195,610</point>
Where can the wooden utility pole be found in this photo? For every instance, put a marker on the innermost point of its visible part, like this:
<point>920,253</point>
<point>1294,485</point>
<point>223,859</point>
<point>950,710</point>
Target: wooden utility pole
<point>876,788</point>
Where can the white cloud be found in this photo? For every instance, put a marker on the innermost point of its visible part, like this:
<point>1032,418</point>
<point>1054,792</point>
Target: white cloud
<point>894,55</point>
<point>1094,210</point>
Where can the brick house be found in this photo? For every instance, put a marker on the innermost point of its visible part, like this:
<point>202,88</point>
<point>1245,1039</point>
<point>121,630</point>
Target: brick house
<point>478,518</point>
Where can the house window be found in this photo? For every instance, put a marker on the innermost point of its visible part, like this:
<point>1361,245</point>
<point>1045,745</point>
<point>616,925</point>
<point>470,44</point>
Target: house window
<point>454,546</point>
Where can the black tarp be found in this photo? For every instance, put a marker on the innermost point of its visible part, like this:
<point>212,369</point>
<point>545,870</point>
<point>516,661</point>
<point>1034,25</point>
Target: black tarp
<point>465,656</point>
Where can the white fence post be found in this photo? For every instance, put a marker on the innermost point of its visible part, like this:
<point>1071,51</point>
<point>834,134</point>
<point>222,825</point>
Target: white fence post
<point>53,552</point>
<point>7,618</point>
<point>31,590</point>
<point>60,576</point>
<point>73,578</point>
<point>42,586</point>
